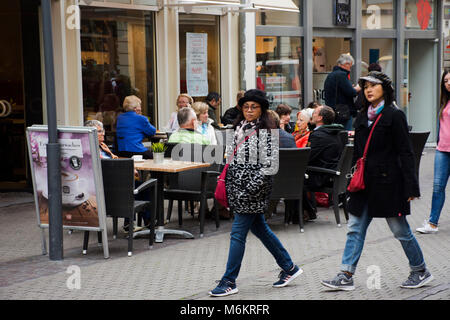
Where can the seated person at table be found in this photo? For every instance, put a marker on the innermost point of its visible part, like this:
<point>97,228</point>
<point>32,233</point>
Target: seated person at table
<point>183,100</point>
<point>286,139</point>
<point>232,113</point>
<point>301,135</point>
<point>105,152</point>
<point>187,120</point>
<point>326,149</point>
<point>284,112</point>
<point>132,128</point>
<point>204,126</point>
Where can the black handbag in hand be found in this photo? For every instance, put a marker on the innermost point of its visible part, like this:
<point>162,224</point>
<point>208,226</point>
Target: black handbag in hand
<point>342,111</point>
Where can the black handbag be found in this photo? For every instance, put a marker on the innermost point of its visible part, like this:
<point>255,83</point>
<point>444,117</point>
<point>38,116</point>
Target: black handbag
<point>342,111</point>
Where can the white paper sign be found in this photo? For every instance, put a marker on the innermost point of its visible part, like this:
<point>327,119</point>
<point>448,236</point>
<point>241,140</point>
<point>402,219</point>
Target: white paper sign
<point>197,64</point>
<point>69,147</point>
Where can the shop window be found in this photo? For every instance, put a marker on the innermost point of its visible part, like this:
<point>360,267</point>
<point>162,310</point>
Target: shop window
<point>326,51</point>
<point>279,66</point>
<point>290,16</point>
<point>379,51</point>
<point>420,14</point>
<point>199,55</point>
<point>117,53</point>
<point>377,14</point>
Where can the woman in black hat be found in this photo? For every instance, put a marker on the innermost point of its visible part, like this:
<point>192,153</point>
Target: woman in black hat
<point>248,187</point>
<point>390,182</point>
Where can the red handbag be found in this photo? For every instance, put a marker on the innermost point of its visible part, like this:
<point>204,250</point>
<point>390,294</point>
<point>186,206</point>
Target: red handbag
<point>357,182</point>
<point>221,193</point>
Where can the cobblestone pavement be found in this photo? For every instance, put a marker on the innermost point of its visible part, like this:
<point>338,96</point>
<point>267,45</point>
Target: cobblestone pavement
<point>180,269</point>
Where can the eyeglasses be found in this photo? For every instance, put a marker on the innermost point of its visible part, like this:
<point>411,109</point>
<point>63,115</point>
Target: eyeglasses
<point>252,107</point>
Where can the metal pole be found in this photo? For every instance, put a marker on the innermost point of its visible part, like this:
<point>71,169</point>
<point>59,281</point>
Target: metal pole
<point>308,36</point>
<point>53,147</point>
<point>242,48</point>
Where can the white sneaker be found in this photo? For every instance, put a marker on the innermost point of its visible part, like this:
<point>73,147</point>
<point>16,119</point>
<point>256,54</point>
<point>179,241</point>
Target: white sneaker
<point>427,228</point>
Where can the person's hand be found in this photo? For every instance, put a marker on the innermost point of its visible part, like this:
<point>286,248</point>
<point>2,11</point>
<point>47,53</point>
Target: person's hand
<point>357,88</point>
<point>136,174</point>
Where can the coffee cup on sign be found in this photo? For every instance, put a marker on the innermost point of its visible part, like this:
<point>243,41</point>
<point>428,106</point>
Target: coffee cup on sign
<point>72,195</point>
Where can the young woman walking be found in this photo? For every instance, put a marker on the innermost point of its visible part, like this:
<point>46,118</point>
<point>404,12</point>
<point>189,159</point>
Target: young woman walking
<point>248,186</point>
<point>390,182</point>
<point>441,158</point>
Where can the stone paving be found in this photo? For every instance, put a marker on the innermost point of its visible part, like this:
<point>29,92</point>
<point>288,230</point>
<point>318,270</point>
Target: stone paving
<point>186,269</point>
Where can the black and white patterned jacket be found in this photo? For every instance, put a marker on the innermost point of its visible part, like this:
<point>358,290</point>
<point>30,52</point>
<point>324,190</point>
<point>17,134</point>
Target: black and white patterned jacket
<point>249,177</point>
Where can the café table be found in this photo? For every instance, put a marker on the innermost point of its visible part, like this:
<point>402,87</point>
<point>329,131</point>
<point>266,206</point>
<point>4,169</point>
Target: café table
<point>159,171</point>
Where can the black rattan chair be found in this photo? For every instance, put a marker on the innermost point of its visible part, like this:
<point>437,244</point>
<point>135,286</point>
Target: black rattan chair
<point>288,182</point>
<point>118,186</point>
<point>418,140</point>
<point>193,185</point>
<point>339,179</point>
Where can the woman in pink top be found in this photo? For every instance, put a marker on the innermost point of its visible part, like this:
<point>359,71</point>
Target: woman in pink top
<point>441,160</point>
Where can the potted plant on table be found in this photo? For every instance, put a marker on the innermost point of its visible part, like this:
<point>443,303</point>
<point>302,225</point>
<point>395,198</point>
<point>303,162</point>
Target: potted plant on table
<point>158,149</point>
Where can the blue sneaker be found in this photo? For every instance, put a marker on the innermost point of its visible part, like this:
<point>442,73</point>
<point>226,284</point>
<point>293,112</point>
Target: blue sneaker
<point>224,288</point>
<point>287,277</point>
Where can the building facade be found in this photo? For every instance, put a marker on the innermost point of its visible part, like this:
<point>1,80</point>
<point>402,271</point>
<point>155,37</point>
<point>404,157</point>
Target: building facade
<point>105,50</point>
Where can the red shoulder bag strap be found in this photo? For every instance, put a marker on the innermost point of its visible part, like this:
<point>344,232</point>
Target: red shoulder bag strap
<point>370,136</point>
<point>235,150</point>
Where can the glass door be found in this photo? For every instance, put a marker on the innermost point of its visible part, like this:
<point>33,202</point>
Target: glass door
<point>20,102</point>
<point>325,53</point>
<point>421,79</point>
<point>279,70</point>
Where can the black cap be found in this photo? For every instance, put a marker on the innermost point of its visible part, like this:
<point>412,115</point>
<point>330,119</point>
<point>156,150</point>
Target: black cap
<point>376,77</point>
<point>255,95</point>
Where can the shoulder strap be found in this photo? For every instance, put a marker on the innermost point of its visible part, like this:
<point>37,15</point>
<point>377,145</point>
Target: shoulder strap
<point>370,136</point>
<point>235,150</point>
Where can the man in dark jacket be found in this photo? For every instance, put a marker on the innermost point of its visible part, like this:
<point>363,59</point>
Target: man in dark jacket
<point>213,100</point>
<point>326,148</point>
<point>231,114</point>
<point>339,90</point>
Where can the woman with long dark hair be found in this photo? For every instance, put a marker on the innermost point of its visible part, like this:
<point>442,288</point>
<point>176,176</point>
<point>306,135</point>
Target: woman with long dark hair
<point>248,185</point>
<point>441,158</point>
<point>390,182</point>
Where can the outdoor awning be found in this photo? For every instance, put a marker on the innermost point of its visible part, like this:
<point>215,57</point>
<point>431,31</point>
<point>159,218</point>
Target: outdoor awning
<point>282,5</point>
<point>204,3</point>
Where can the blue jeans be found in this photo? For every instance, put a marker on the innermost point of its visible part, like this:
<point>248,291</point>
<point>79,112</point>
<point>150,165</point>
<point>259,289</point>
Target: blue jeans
<point>257,224</point>
<point>441,174</point>
<point>357,227</point>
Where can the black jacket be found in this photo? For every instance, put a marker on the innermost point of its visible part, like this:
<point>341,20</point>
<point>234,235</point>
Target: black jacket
<point>389,175</point>
<point>326,149</point>
<point>325,146</point>
<point>212,115</point>
<point>339,90</point>
<point>230,116</point>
